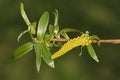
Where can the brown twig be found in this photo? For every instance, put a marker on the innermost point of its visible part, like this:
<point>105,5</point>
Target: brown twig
<point>60,39</point>
<point>112,41</point>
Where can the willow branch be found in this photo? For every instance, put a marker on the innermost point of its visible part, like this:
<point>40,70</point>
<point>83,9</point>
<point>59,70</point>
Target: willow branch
<point>112,41</point>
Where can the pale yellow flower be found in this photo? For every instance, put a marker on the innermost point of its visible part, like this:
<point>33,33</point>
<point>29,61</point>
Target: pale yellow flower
<point>83,40</point>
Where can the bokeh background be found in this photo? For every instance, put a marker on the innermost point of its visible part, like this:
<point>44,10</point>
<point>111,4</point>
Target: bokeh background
<point>100,17</point>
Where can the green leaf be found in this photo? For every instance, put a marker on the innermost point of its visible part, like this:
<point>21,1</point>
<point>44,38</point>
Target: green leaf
<point>22,50</point>
<point>81,50</point>
<point>51,30</point>
<point>64,35</point>
<point>24,15</point>
<point>21,34</point>
<point>48,38</point>
<point>38,51</point>
<point>69,30</point>
<point>92,52</point>
<point>33,28</point>
<point>95,37</point>
<point>46,55</point>
<point>42,25</point>
<point>64,31</point>
<point>56,26</point>
<point>56,18</point>
<point>56,30</point>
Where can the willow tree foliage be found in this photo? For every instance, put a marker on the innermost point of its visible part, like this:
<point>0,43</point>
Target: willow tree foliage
<point>43,37</point>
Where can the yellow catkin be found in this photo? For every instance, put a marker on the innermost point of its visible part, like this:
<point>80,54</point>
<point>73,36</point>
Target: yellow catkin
<point>83,40</point>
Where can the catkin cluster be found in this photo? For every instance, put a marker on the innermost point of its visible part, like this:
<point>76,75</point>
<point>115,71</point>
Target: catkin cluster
<point>82,40</point>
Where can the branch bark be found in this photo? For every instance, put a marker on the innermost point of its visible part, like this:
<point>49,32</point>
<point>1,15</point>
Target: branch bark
<point>112,41</point>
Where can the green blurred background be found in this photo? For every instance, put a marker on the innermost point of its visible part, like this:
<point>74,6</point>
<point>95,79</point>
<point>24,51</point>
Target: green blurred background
<point>100,17</point>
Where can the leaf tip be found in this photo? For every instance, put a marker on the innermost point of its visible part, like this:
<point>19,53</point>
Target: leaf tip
<point>38,69</point>
<point>18,39</point>
<point>21,4</point>
<point>51,64</point>
<point>97,60</point>
<point>80,54</point>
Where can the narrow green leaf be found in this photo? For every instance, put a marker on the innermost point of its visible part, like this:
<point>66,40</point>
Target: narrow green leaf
<point>56,26</point>
<point>69,30</point>
<point>81,50</point>
<point>21,34</point>
<point>51,30</point>
<point>92,52</point>
<point>42,25</point>
<point>38,51</point>
<point>46,55</point>
<point>95,37</point>
<point>22,50</point>
<point>56,18</point>
<point>64,31</point>
<point>24,15</point>
<point>64,35</point>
